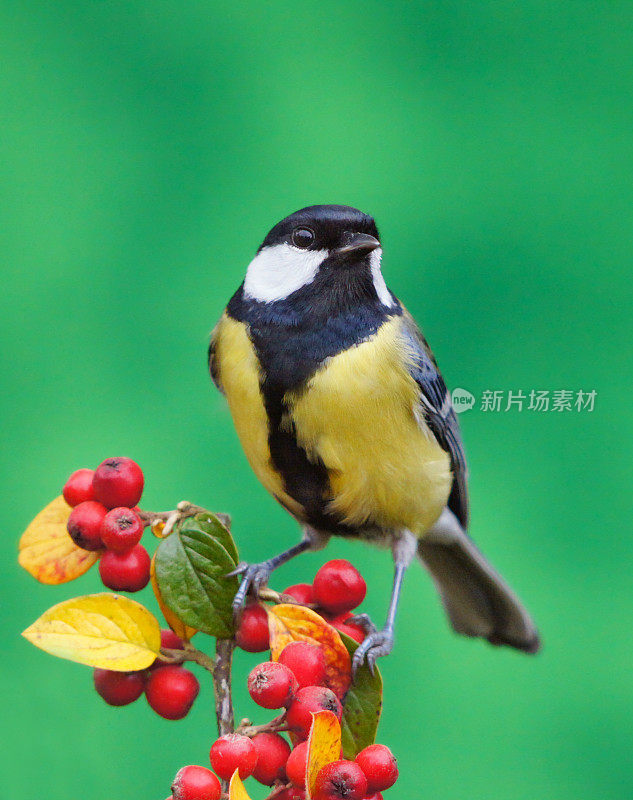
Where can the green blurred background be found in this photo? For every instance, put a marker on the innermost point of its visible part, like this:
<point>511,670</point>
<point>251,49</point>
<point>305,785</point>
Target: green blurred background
<point>146,149</point>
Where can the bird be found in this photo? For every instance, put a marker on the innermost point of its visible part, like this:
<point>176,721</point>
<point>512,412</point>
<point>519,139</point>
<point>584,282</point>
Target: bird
<point>344,416</point>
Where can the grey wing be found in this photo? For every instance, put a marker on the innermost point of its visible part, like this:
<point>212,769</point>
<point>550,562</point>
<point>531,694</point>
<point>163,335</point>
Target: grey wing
<point>439,415</point>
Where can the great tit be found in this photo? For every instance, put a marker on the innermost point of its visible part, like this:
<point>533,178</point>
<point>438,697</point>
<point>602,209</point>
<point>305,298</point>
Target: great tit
<point>345,418</point>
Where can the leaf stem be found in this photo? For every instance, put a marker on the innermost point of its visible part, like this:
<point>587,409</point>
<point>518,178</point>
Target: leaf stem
<point>269,595</point>
<point>189,654</point>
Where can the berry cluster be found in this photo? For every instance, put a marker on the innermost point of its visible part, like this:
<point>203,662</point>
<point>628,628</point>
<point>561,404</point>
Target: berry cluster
<point>170,689</point>
<point>296,685</point>
<point>337,589</point>
<point>105,517</point>
<point>310,684</point>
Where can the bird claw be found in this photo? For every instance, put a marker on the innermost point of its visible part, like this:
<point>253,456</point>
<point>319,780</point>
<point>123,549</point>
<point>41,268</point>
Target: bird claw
<point>362,621</point>
<point>377,644</point>
<point>253,576</point>
<point>241,567</point>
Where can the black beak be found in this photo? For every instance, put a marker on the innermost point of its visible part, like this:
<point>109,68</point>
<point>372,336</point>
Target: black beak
<point>359,244</point>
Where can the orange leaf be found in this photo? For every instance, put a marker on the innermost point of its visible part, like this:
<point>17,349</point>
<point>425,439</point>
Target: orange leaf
<point>293,623</point>
<point>46,550</point>
<point>324,746</point>
<point>176,624</point>
<point>236,788</point>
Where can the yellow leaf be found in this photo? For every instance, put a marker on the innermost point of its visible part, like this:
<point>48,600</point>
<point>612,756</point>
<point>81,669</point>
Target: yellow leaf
<point>236,788</point>
<point>324,746</point>
<point>100,630</point>
<point>293,623</point>
<point>176,624</point>
<point>46,550</point>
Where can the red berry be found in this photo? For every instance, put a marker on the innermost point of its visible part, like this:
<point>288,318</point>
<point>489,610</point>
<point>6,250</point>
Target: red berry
<point>339,586</point>
<point>119,688</point>
<point>168,641</point>
<point>171,690</point>
<point>379,765</point>
<point>339,621</point>
<point>195,783</point>
<point>306,661</point>
<point>252,634</point>
<point>308,701</point>
<point>84,525</point>
<point>125,572</point>
<point>340,779</point>
<point>296,766</point>
<point>121,529</point>
<point>352,631</point>
<point>272,685</point>
<point>302,593</point>
<point>232,752</point>
<point>118,482</point>
<point>78,488</point>
<point>272,753</point>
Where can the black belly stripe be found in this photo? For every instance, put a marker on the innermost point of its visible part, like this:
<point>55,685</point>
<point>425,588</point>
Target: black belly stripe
<point>292,338</point>
<point>305,481</point>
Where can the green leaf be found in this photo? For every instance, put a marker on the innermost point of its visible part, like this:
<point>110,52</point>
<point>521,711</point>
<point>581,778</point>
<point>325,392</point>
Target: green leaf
<point>191,568</point>
<point>361,707</point>
<point>212,525</point>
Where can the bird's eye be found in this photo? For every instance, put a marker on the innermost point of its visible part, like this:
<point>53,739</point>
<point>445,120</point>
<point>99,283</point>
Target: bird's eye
<point>302,237</point>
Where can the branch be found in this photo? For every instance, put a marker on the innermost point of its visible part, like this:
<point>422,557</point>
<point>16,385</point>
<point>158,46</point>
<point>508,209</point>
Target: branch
<point>182,511</point>
<point>274,726</point>
<point>222,686</point>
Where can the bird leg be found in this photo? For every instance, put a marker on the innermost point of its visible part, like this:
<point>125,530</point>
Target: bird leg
<point>257,575</point>
<point>380,643</point>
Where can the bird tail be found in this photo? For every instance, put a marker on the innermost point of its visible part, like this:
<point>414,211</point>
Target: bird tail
<point>477,600</point>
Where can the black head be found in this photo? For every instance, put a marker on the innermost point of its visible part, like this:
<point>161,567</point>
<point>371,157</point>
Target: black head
<point>326,228</point>
<point>326,251</point>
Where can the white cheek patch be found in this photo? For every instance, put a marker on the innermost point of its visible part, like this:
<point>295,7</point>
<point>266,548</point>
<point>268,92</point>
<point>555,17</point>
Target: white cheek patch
<point>384,295</point>
<point>280,270</point>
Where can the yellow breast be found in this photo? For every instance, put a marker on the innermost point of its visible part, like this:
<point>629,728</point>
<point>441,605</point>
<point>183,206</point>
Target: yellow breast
<point>240,375</point>
<point>358,414</point>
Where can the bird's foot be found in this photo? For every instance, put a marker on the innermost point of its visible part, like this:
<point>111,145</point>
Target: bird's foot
<point>254,576</point>
<point>362,621</point>
<point>377,644</point>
